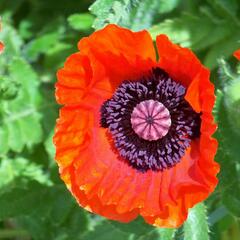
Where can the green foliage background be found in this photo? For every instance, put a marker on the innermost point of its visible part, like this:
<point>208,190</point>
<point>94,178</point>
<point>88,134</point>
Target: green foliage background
<point>38,36</point>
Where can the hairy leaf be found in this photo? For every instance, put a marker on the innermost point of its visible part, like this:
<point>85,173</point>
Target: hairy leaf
<point>196,226</point>
<point>133,14</point>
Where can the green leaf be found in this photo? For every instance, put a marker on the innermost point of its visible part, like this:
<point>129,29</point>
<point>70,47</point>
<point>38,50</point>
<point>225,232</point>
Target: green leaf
<point>196,226</point>
<point>57,217</point>
<point>20,119</point>
<point>159,234</point>
<point>231,200</point>
<point>21,200</point>
<point>224,48</point>
<point>167,6</point>
<point>82,21</point>
<point>226,8</point>
<point>138,227</point>
<point>13,44</point>
<point>105,230</point>
<point>102,9</point>
<point>8,88</point>
<point>40,45</point>
<point>15,171</point>
<point>49,146</point>
<point>133,14</point>
<point>142,230</point>
<point>141,15</point>
<point>195,31</point>
<point>166,233</point>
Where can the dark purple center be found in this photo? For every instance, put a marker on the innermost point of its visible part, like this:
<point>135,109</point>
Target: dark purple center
<point>150,122</point>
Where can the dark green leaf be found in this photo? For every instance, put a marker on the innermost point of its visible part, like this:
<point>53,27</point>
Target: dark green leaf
<point>104,230</point>
<point>138,227</point>
<point>57,217</point>
<point>21,200</point>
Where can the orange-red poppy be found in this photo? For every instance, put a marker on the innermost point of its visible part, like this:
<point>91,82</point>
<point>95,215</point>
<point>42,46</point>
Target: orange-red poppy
<point>236,54</point>
<point>116,167</point>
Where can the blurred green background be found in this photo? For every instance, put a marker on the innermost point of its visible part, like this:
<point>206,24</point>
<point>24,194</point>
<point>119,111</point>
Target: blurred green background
<point>38,36</point>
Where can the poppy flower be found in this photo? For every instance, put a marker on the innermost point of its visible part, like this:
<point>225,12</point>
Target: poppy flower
<point>236,54</point>
<point>134,136</point>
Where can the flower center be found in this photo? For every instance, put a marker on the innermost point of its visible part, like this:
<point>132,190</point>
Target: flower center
<point>150,120</point>
<point>150,123</point>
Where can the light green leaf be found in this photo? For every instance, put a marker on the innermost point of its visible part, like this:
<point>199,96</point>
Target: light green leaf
<point>133,14</point>
<point>166,233</point>
<point>20,119</point>
<point>48,144</point>
<point>195,31</point>
<point>13,44</point>
<point>82,21</point>
<point>196,226</point>
<point>142,15</point>
<point>41,45</point>
<point>15,171</point>
<point>167,6</point>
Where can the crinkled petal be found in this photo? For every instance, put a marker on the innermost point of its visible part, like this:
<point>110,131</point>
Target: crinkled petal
<point>100,180</point>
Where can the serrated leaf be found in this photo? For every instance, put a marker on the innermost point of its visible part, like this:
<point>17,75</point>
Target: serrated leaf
<point>14,171</point>
<point>196,226</point>
<point>79,21</point>
<point>133,14</point>
<point>20,117</point>
<point>142,15</point>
